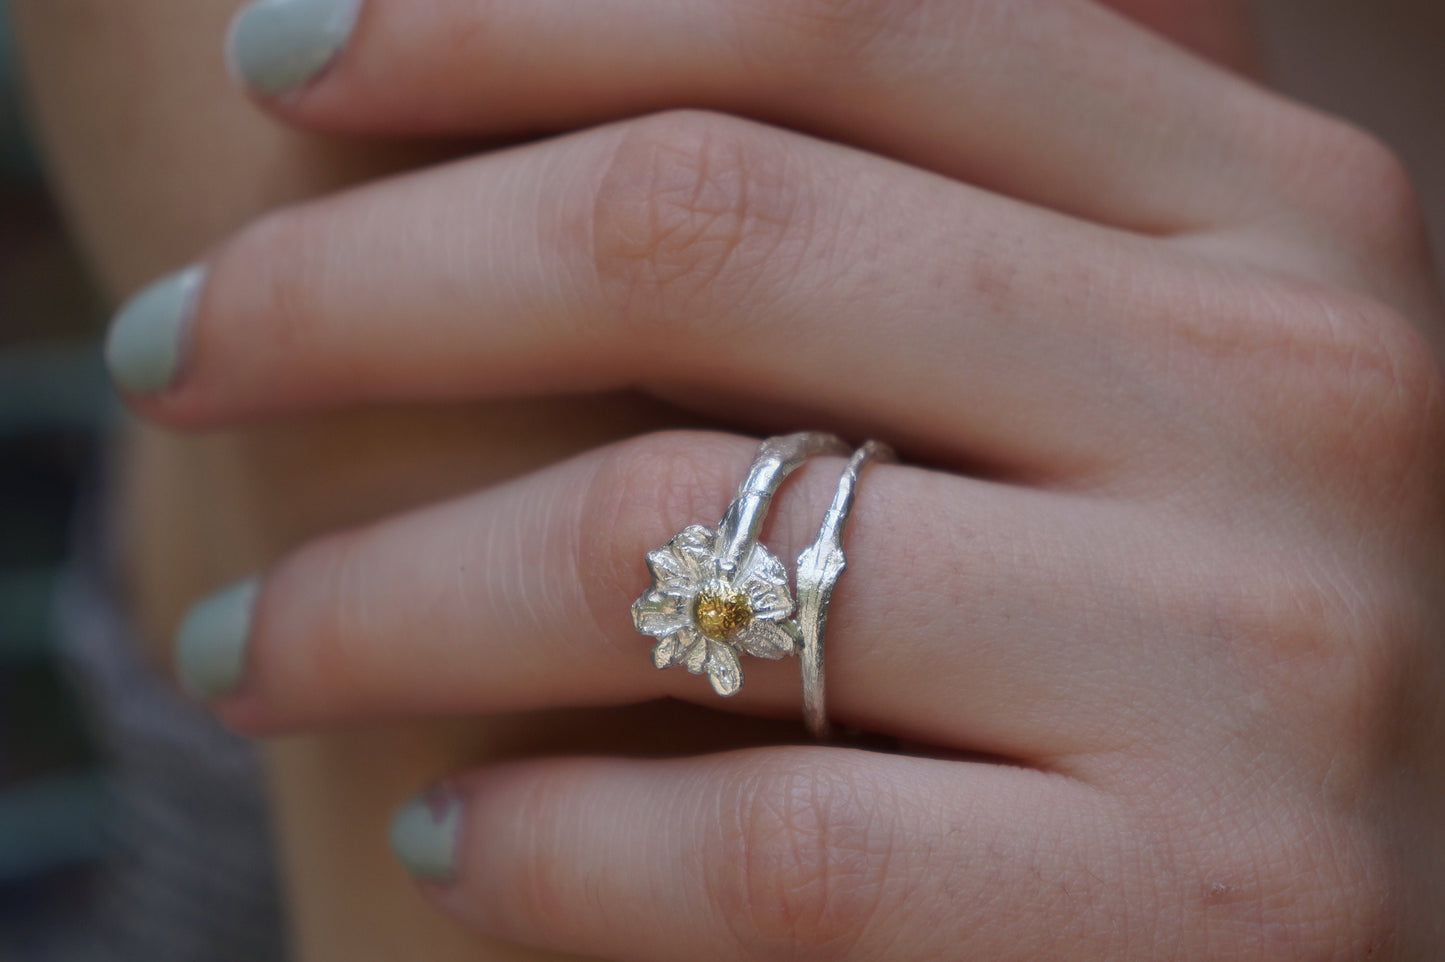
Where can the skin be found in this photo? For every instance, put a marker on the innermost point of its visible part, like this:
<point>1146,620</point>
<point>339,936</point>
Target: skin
<point>253,469</point>
<point>141,126</point>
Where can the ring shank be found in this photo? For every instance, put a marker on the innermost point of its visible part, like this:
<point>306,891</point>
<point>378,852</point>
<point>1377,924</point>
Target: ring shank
<point>776,458</point>
<point>819,567</point>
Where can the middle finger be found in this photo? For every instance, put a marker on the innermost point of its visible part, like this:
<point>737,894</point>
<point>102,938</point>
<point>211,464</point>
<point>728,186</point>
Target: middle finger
<point>701,256</point>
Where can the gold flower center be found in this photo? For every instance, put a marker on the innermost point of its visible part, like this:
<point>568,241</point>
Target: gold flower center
<point>720,611</point>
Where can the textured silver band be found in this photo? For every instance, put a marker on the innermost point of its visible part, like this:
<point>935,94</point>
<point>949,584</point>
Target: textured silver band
<point>819,567</point>
<point>716,593</point>
<point>777,458</point>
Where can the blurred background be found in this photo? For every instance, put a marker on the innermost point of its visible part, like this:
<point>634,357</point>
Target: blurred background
<point>53,399</point>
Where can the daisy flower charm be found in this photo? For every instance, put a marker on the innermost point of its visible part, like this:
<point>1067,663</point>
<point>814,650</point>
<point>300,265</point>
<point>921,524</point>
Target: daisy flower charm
<point>704,610</point>
<point>717,592</point>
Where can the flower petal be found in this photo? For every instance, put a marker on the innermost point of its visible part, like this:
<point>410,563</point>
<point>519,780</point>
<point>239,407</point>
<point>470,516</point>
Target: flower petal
<point>660,613</point>
<point>695,656</point>
<point>723,669</point>
<point>685,561</point>
<point>669,569</point>
<point>765,639</point>
<point>669,651</point>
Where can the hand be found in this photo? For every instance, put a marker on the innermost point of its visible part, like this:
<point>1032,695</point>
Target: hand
<point>1172,641</point>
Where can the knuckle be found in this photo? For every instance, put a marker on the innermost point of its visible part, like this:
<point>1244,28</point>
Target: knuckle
<point>1387,407</point>
<point>821,34</point>
<point>1375,388</point>
<point>1358,187</point>
<point>1329,652</point>
<point>691,203</point>
<point>1406,430</point>
<point>1341,382</point>
<point>798,861</point>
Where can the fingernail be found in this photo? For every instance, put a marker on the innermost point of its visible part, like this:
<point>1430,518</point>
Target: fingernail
<point>144,347</point>
<point>211,644</point>
<point>277,46</point>
<point>424,834</point>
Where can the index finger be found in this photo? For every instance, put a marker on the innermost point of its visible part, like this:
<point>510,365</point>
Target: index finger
<point>1065,104</point>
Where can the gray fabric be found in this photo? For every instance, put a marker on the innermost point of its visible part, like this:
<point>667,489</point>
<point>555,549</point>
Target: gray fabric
<point>189,875</point>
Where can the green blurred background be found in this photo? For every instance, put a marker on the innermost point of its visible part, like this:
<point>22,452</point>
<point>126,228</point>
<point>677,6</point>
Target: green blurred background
<point>53,402</point>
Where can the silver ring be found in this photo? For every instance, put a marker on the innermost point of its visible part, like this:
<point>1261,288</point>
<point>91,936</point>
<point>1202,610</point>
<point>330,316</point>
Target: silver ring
<point>718,592</point>
<point>819,567</point>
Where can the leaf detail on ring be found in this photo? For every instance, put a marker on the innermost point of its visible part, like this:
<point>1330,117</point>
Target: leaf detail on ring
<point>764,639</point>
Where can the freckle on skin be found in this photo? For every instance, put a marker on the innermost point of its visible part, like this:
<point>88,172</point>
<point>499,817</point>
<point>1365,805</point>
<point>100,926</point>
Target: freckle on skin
<point>1217,892</point>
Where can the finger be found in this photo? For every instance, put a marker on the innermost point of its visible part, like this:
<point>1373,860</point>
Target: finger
<point>972,615</point>
<point>1066,104</point>
<point>698,256</point>
<point>794,853</point>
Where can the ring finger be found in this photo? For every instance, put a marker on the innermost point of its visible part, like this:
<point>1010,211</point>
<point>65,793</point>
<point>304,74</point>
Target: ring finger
<point>965,611</point>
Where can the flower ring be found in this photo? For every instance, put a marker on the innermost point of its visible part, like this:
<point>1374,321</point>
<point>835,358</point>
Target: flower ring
<point>718,592</point>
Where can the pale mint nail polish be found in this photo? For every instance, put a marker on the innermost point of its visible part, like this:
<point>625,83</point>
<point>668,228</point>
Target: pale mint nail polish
<point>145,347</point>
<point>210,646</point>
<point>277,46</point>
<point>425,832</point>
